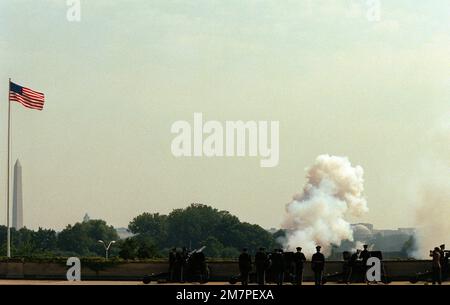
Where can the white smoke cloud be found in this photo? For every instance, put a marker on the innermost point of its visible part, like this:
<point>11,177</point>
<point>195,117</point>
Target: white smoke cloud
<point>316,216</point>
<point>432,220</point>
<point>433,191</point>
<point>359,245</point>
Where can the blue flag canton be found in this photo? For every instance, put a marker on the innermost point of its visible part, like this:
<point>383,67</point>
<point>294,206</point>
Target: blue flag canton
<point>15,88</point>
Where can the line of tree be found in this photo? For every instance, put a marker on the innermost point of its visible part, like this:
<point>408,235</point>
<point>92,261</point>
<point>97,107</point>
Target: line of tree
<point>154,234</point>
<point>200,225</point>
<point>80,239</point>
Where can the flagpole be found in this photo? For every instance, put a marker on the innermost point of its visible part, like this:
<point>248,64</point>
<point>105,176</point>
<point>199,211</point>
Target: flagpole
<point>8,239</point>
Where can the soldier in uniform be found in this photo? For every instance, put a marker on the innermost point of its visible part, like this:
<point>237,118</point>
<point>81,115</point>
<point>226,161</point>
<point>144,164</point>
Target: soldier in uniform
<point>184,255</point>
<point>299,260</point>
<point>261,265</point>
<point>436,265</point>
<point>179,262</point>
<point>365,255</point>
<point>445,255</point>
<point>352,264</point>
<point>278,266</point>
<point>172,264</point>
<point>442,249</point>
<point>201,267</point>
<point>245,266</point>
<point>282,267</point>
<point>318,265</point>
<point>443,258</point>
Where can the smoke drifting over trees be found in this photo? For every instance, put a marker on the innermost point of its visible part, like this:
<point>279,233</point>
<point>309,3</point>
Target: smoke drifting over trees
<point>317,215</point>
<point>433,192</point>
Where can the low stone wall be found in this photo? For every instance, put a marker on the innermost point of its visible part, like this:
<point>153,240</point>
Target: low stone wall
<point>395,270</point>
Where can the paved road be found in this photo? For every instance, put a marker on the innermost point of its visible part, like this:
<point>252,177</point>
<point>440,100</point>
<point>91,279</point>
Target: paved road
<point>133,283</point>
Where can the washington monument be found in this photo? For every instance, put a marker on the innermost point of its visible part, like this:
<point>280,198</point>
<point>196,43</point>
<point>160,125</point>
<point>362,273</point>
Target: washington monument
<point>17,220</point>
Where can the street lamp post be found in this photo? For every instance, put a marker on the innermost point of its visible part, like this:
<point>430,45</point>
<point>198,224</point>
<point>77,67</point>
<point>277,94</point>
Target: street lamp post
<point>107,247</point>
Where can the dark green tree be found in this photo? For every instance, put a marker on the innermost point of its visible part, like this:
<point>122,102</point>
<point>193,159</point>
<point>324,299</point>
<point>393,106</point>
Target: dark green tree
<point>45,240</point>
<point>154,225</point>
<point>29,243</point>
<point>200,225</point>
<point>146,249</point>
<point>192,225</point>
<point>128,248</point>
<point>82,238</point>
<point>214,248</point>
<point>139,246</point>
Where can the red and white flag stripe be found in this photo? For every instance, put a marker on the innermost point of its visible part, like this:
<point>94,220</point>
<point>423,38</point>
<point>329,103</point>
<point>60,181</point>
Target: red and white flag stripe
<point>27,97</point>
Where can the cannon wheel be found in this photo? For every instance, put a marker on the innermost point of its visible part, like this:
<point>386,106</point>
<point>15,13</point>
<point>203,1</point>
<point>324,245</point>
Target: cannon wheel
<point>386,280</point>
<point>206,274</point>
<point>147,280</point>
<point>421,276</point>
<point>234,279</point>
<point>414,280</point>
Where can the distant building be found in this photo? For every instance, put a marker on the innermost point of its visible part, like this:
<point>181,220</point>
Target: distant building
<point>390,242</point>
<point>17,213</point>
<point>409,231</point>
<point>362,232</point>
<point>124,233</point>
<point>273,230</point>
<point>86,218</point>
<point>399,231</point>
<point>367,225</point>
<point>386,233</point>
<point>384,240</point>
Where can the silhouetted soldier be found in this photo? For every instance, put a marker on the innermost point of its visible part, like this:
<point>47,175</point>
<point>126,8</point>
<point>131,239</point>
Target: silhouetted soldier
<point>442,250</point>
<point>352,262</point>
<point>365,255</point>
<point>178,266</point>
<point>445,255</point>
<point>318,265</point>
<point>184,255</point>
<point>261,265</point>
<point>201,266</point>
<point>278,266</point>
<point>282,267</point>
<point>172,263</point>
<point>436,265</point>
<point>442,259</point>
<point>299,260</point>
<point>245,266</point>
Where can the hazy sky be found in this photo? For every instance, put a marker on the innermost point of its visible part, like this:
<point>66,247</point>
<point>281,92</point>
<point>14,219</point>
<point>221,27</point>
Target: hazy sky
<point>115,82</point>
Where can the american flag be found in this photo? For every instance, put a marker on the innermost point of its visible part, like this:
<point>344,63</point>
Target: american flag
<point>27,97</point>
